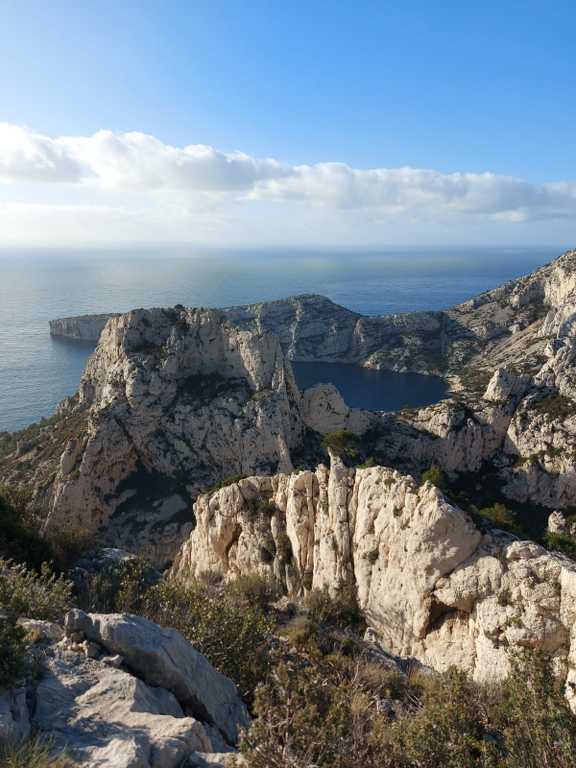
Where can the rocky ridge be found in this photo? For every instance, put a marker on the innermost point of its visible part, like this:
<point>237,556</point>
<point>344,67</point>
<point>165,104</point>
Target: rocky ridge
<point>430,583</point>
<point>118,691</point>
<point>170,402</point>
<point>506,324</point>
<point>174,400</point>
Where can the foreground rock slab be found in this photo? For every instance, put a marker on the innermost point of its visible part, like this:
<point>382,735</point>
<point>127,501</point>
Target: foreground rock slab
<point>106,718</point>
<point>162,657</point>
<point>429,582</point>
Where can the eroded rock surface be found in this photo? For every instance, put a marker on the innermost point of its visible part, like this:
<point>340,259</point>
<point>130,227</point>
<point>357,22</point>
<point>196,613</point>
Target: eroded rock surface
<point>163,658</point>
<point>133,710</point>
<point>170,402</point>
<point>430,583</point>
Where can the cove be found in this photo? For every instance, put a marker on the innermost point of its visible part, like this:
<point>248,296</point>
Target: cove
<point>372,390</point>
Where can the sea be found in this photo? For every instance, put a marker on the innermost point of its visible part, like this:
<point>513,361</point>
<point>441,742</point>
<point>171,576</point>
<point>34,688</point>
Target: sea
<point>38,371</point>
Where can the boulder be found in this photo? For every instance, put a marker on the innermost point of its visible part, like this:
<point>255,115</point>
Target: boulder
<point>106,718</point>
<point>557,522</point>
<point>162,657</point>
<point>14,717</point>
<point>43,631</point>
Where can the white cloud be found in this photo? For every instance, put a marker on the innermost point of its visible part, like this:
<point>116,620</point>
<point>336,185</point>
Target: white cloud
<point>139,163</point>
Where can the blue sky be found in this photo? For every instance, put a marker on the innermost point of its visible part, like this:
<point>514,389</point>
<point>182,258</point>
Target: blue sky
<point>451,88</point>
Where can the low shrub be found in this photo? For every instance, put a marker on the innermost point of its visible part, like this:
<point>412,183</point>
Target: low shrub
<point>223,483</point>
<point>327,711</point>
<point>23,592</point>
<point>12,653</point>
<point>69,543</point>
<point>33,753</point>
<point>500,517</point>
<point>311,715</point>
<point>560,542</point>
<point>341,611</point>
<point>436,476</point>
<point>532,715</point>
<point>19,531</point>
<point>230,633</point>
<point>342,443</point>
<point>118,589</point>
<point>555,406</point>
<point>255,590</point>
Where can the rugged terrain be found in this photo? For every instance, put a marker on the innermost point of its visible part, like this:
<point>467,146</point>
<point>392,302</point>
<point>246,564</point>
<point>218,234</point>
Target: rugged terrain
<point>175,400</point>
<point>431,583</point>
<point>189,442</point>
<point>500,326</point>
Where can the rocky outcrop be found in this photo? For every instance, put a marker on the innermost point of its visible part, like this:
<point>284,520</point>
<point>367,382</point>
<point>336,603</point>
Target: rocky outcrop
<point>83,327</point>
<point>496,328</point>
<point>174,400</point>
<point>430,583</point>
<point>163,658</point>
<point>170,402</point>
<point>158,705</point>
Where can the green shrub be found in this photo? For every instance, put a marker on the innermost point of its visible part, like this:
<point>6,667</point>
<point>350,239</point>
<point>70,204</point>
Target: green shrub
<point>560,542</point>
<point>224,482</point>
<point>19,531</point>
<point>501,517</point>
<point>532,715</point>
<point>33,753</point>
<point>118,589</point>
<point>341,611</point>
<point>555,406</point>
<point>324,711</point>
<point>436,476</point>
<point>24,592</point>
<point>255,590</point>
<point>312,715</point>
<point>69,543</point>
<point>12,653</point>
<point>448,729</point>
<point>232,635</point>
<point>342,443</point>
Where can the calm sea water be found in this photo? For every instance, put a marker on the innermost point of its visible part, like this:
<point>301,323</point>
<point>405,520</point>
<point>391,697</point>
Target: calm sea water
<point>372,390</point>
<point>37,371</point>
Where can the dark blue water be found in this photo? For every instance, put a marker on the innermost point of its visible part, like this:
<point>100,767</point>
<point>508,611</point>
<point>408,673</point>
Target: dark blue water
<point>36,371</point>
<point>373,390</point>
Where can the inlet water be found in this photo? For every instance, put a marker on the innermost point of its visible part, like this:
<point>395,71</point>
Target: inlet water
<point>373,390</point>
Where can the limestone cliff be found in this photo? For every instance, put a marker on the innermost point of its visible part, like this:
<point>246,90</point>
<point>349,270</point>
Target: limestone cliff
<point>83,327</point>
<point>509,324</point>
<point>174,400</point>
<point>428,580</point>
<point>170,402</point>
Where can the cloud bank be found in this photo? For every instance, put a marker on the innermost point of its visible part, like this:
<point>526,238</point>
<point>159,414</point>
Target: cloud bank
<point>138,162</point>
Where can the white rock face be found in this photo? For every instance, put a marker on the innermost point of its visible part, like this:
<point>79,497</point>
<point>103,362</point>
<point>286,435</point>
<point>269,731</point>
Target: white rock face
<point>84,327</point>
<point>557,522</point>
<point>106,718</point>
<point>505,385</point>
<point>158,705</point>
<point>163,658</point>
<point>14,716</point>
<point>429,582</point>
<point>324,411</point>
<point>171,401</point>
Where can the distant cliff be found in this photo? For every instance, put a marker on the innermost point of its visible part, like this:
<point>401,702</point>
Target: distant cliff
<point>493,329</point>
<point>83,327</point>
<point>174,400</point>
